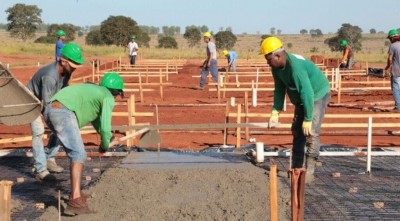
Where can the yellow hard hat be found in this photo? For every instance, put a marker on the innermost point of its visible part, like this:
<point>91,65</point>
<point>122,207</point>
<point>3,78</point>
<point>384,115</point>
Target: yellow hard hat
<point>207,34</point>
<point>270,44</point>
<point>225,52</point>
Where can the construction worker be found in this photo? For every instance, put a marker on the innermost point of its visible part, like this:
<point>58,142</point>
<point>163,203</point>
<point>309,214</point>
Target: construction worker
<point>46,82</point>
<point>132,50</point>
<point>74,107</point>
<point>348,56</point>
<point>60,43</point>
<point>393,66</point>
<point>210,64</point>
<point>232,57</point>
<point>308,89</point>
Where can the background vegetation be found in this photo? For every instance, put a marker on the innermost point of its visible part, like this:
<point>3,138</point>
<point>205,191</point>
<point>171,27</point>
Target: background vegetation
<point>108,39</point>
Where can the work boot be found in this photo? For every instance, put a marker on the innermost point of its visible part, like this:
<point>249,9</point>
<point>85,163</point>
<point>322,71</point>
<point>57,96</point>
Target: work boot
<point>53,167</point>
<point>200,88</point>
<point>77,206</point>
<point>310,168</point>
<point>45,176</point>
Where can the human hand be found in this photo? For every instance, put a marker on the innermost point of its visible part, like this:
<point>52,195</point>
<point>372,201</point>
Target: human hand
<point>274,119</point>
<point>307,128</point>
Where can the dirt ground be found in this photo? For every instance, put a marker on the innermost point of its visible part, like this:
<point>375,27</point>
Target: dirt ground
<point>219,194</point>
<point>183,104</point>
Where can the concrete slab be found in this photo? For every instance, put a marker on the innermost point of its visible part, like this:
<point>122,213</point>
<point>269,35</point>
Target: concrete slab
<point>184,160</point>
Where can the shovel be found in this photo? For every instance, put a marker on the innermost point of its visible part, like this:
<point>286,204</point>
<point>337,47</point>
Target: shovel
<point>149,137</point>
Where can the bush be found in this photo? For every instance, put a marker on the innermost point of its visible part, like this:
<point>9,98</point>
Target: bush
<point>45,40</point>
<point>167,42</point>
<point>225,40</point>
<point>94,38</point>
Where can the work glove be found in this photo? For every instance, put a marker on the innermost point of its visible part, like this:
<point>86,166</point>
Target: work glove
<point>274,119</point>
<point>307,126</point>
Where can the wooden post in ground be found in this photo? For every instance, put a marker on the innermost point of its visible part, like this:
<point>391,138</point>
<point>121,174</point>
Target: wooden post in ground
<point>226,80</point>
<point>5,200</point>
<point>246,111</point>
<point>166,73</point>
<point>238,120</point>
<point>140,88</point>
<point>131,118</point>
<point>226,121</point>
<point>161,84</point>
<point>273,193</point>
<point>339,88</point>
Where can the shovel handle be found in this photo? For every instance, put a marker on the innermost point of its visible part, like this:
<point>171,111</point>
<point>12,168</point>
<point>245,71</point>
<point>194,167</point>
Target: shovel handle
<point>127,137</point>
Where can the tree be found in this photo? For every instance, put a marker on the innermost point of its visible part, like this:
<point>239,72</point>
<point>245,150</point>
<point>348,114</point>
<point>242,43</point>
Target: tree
<point>94,38</point>
<point>348,32</point>
<point>372,31</point>
<point>193,36</point>
<point>23,20</point>
<point>116,30</point>
<point>303,31</point>
<point>316,33</point>
<point>272,31</point>
<point>151,30</point>
<point>204,29</point>
<point>225,39</point>
<point>69,30</point>
<point>279,31</point>
<point>167,42</point>
<point>143,39</point>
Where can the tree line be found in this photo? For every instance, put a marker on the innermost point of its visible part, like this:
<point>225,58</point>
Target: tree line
<point>24,21</point>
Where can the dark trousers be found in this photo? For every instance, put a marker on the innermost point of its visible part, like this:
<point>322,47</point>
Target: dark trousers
<point>133,59</point>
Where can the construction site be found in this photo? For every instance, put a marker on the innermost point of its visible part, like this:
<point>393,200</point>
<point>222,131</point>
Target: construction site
<point>213,156</point>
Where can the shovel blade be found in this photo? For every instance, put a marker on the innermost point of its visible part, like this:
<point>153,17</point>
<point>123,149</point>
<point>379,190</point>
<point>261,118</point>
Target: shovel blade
<point>149,138</point>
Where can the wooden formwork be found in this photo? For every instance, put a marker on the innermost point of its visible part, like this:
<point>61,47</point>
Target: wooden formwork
<point>131,114</point>
<point>341,120</point>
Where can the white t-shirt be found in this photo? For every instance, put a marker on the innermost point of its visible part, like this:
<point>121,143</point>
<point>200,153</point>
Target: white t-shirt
<point>212,49</point>
<point>133,47</point>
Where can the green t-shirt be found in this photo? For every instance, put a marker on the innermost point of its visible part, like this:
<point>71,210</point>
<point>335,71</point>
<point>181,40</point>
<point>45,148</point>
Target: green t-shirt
<point>303,81</point>
<point>90,103</point>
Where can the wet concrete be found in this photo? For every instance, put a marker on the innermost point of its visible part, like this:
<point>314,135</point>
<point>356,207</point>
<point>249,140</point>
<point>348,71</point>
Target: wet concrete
<point>183,160</point>
<point>329,198</point>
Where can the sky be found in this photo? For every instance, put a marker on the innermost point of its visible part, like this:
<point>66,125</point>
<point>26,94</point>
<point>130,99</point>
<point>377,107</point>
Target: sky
<point>242,16</point>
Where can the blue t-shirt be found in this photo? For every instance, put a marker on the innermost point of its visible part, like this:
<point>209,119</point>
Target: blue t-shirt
<point>59,46</point>
<point>232,57</point>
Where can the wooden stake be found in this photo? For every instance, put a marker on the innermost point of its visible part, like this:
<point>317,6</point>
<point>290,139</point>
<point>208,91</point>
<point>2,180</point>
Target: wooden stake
<point>161,85</point>
<point>226,121</point>
<point>246,111</point>
<point>238,119</point>
<point>273,193</point>
<point>5,200</point>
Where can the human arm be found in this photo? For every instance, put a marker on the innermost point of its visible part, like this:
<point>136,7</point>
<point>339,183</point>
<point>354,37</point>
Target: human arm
<point>49,88</point>
<point>102,123</point>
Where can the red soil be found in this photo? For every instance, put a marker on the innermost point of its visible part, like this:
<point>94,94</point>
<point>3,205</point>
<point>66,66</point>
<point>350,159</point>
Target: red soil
<point>210,110</point>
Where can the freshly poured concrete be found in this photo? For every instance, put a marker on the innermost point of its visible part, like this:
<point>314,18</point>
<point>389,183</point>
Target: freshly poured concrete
<point>175,160</point>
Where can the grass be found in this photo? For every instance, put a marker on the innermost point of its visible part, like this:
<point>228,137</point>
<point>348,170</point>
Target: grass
<point>247,46</point>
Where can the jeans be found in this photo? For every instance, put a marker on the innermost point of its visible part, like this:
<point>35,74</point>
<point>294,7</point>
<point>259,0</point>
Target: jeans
<point>233,66</point>
<point>395,84</point>
<point>64,124</point>
<point>213,69</point>
<point>133,59</point>
<point>40,155</point>
<point>307,145</point>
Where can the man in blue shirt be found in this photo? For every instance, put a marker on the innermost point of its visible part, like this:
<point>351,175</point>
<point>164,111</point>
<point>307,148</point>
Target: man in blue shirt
<point>59,43</point>
<point>232,57</point>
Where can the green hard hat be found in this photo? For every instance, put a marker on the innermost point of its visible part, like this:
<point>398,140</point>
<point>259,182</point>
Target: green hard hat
<point>343,43</point>
<point>60,33</point>
<point>72,52</point>
<point>392,33</point>
<point>133,36</point>
<point>112,80</point>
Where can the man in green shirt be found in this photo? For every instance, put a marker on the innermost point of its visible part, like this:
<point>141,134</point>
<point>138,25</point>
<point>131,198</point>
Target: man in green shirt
<point>309,90</point>
<point>74,107</point>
